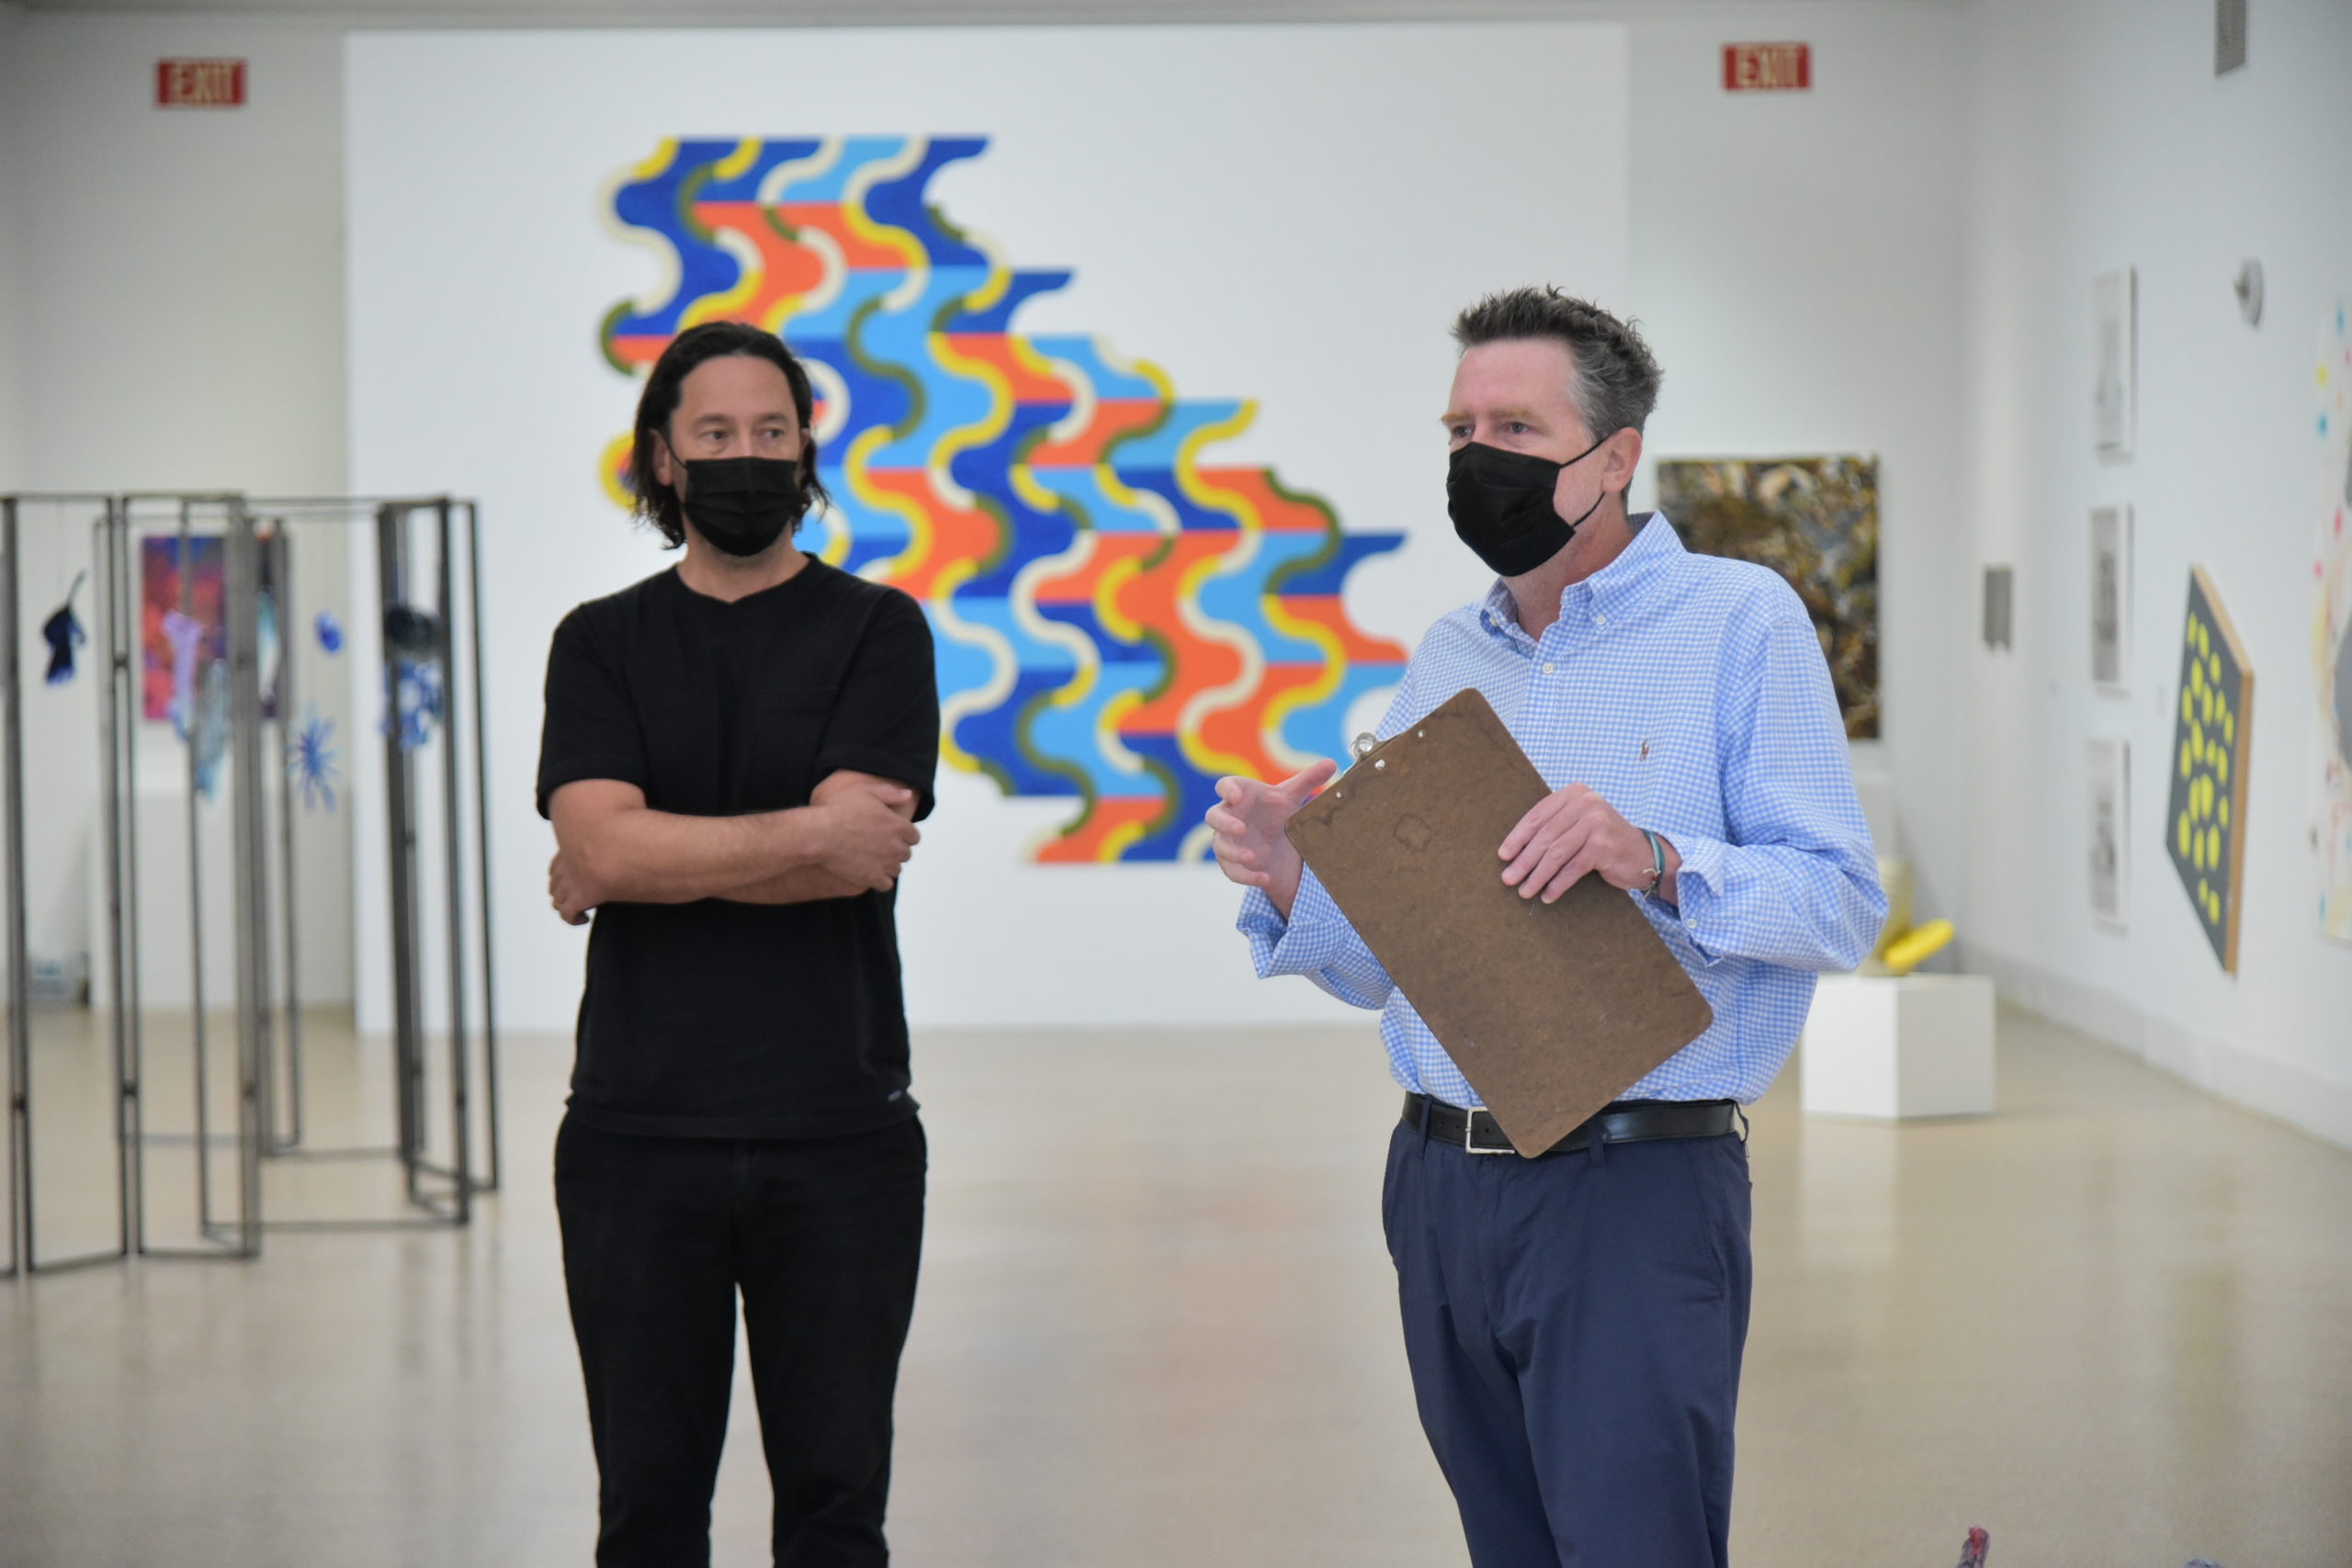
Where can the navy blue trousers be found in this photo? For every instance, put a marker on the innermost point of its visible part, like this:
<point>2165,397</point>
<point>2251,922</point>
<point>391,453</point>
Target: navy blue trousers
<point>1575,1325</point>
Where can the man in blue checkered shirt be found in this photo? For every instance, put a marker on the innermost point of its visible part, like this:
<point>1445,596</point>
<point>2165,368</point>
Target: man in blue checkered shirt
<point>1574,1322</point>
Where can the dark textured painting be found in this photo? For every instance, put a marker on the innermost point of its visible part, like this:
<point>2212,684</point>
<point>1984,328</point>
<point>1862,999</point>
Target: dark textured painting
<point>1813,520</point>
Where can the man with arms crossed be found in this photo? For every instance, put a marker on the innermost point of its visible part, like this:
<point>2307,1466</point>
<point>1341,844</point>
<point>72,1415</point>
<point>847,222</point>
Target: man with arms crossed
<point>736,752</point>
<point>1573,1323</point>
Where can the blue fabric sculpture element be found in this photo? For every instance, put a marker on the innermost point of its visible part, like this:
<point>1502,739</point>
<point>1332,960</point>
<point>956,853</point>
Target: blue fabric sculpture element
<point>311,761</point>
<point>64,634</point>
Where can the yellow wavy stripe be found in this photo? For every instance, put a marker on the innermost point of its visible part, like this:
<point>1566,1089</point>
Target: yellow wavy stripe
<point>981,699</point>
<point>666,253</point>
<point>861,223</point>
<point>746,251</point>
<point>983,431</point>
<point>1323,688</point>
<point>1199,492</point>
<point>1106,592</point>
<point>608,470</point>
<point>1216,699</point>
<point>854,467</point>
<point>1204,704</point>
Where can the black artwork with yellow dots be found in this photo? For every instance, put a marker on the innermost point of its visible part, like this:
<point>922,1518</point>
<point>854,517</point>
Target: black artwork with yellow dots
<point>2205,824</point>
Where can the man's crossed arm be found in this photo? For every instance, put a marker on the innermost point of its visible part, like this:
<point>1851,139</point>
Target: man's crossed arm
<point>854,835</point>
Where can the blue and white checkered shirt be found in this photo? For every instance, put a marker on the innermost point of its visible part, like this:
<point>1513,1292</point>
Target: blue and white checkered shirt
<point>1690,691</point>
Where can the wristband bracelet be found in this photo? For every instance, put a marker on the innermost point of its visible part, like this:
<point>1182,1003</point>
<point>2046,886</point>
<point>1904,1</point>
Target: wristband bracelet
<point>1657,860</point>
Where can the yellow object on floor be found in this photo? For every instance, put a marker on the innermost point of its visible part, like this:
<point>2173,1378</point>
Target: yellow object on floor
<point>1916,946</point>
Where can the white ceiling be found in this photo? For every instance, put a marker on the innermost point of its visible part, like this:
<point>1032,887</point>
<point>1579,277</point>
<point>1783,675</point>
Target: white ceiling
<point>659,12</point>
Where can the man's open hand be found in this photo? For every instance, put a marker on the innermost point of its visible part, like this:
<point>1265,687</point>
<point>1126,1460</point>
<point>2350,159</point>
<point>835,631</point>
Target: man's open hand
<point>1248,820</point>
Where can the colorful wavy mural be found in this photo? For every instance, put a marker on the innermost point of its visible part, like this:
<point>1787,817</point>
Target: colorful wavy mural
<point>1120,621</point>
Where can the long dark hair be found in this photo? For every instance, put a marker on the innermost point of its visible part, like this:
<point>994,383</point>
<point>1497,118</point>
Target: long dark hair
<point>658,503</point>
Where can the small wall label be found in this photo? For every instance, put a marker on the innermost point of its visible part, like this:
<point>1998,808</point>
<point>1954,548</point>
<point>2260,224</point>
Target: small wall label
<point>1767,68</point>
<point>200,84</point>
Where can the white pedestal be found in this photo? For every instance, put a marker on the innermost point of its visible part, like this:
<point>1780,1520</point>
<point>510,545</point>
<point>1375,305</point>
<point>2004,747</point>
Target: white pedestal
<point>1889,1048</point>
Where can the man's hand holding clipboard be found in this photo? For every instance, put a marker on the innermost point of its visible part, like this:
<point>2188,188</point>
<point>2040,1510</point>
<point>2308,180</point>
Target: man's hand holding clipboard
<point>1546,983</point>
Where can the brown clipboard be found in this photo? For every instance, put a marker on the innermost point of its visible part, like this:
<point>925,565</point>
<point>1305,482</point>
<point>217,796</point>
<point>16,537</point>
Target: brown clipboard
<point>1551,1010</point>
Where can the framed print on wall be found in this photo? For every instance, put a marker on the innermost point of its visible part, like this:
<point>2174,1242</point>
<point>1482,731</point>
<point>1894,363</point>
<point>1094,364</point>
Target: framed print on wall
<point>2111,599</point>
<point>2110,773</point>
<point>2114,359</point>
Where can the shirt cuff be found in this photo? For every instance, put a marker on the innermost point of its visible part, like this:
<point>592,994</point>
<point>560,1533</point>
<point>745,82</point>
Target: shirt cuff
<point>1288,947</point>
<point>1698,903</point>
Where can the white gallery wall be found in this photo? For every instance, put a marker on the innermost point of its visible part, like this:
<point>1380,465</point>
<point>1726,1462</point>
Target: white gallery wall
<point>1771,302</point>
<point>2102,140</point>
<point>1897,263</point>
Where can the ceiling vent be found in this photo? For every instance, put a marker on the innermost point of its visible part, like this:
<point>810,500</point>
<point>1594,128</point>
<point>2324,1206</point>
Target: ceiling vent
<point>2229,36</point>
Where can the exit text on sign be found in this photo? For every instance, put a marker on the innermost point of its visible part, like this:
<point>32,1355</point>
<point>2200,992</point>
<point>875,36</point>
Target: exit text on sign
<point>1767,67</point>
<point>200,84</point>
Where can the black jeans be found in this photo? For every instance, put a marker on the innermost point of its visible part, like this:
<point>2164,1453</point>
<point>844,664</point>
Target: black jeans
<point>822,1237</point>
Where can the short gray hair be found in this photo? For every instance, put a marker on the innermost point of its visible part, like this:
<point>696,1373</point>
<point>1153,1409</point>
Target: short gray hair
<point>1616,379</point>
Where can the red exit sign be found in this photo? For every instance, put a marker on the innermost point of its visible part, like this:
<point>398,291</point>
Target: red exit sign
<point>1767,67</point>
<point>200,84</point>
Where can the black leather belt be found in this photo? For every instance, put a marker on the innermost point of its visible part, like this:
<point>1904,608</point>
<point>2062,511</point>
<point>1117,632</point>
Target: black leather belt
<point>1623,1121</point>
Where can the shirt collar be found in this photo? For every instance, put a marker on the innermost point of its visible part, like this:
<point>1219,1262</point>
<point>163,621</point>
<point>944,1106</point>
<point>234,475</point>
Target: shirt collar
<point>1613,590</point>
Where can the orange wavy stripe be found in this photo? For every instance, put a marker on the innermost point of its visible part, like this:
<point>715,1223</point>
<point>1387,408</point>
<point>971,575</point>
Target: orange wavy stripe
<point>1240,730</point>
<point>1326,611</point>
<point>1083,844</point>
<point>957,534</point>
<point>1111,420</point>
<point>1195,663</point>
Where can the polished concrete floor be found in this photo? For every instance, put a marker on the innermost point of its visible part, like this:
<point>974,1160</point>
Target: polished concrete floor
<point>2112,1324</point>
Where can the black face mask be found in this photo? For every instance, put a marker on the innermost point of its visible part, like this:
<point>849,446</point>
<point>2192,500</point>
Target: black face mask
<point>743,505</point>
<point>1501,505</point>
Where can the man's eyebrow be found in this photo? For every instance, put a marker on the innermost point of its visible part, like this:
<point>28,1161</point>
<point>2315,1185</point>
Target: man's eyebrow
<point>1455,416</point>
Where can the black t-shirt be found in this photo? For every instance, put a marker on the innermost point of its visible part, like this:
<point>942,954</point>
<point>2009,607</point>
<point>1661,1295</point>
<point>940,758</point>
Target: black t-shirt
<point>739,1020</point>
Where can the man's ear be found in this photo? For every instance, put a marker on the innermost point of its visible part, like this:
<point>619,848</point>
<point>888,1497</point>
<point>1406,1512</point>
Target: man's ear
<point>1624,456</point>
<point>661,474</point>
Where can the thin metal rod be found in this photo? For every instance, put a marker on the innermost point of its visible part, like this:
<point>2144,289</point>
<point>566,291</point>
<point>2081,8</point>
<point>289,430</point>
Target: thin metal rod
<point>282,556</point>
<point>408,1052</point>
<point>189,722</point>
<point>242,610</point>
<point>125,704</point>
<point>104,549</point>
<point>453,860</point>
<point>12,761</point>
<point>481,845</point>
<point>366,503</point>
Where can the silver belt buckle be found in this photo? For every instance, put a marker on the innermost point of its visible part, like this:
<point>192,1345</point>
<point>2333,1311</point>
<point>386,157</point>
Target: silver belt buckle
<point>1470,1143</point>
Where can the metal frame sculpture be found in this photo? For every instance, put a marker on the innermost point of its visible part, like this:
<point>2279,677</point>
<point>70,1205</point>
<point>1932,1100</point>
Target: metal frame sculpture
<point>267,1075</point>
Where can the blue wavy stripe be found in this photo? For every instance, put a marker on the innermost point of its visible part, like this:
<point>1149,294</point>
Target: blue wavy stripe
<point>1083,488</point>
<point>873,399</point>
<point>902,338</point>
<point>1196,793</point>
<point>832,322</point>
<point>1154,451</point>
<point>857,151</point>
<point>1321,730</point>
<point>1330,578</point>
<point>1068,735</point>
<point>656,205</point>
<point>899,203</point>
<point>745,186</point>
<point>998,318</point>
<point>1109,384</point>
<point>1193,517</point>
<point>964,666</point>
<point>1239,599</point>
